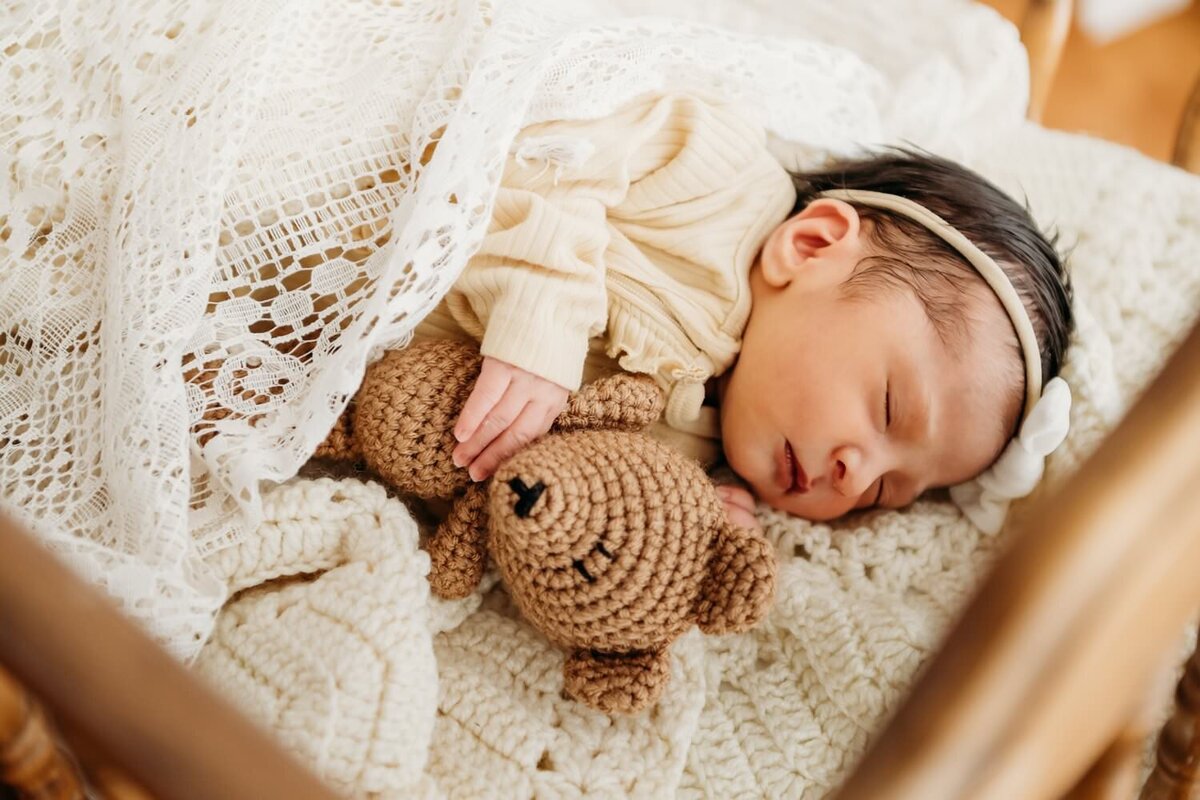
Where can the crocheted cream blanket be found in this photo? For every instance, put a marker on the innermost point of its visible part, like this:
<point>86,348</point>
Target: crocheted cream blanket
<point>387,692</point>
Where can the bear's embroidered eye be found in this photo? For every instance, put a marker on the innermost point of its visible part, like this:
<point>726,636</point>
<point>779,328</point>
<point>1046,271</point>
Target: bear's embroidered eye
<point>527,496</point>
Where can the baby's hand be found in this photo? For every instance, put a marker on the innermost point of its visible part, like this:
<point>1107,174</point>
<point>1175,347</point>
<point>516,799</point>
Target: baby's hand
<point>507,409</point>
<point>739,506</point>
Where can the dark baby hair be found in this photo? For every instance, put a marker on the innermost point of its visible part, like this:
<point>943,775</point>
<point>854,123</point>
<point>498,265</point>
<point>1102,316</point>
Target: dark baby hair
<point>912,256</point>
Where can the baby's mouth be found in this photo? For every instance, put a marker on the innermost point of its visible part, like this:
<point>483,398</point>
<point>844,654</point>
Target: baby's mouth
<point>799,481</point>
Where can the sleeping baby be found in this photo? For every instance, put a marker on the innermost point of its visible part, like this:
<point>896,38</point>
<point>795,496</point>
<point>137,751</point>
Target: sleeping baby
<point>841,339</point>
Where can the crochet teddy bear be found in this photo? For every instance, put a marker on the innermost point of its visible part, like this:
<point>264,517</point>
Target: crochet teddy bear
<point>609,542</point>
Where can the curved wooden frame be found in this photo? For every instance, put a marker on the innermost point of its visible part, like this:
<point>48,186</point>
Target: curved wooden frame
<point>1044,28</point>
<point>1186,153</point>
<point>121,694</point>
<point>1176,773</point>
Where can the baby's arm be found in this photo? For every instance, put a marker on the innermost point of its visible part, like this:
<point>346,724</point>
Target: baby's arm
<point>534,293</point>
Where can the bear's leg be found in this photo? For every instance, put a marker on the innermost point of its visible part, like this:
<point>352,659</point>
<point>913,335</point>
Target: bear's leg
<point>617,683</point>
<point>458,551</point>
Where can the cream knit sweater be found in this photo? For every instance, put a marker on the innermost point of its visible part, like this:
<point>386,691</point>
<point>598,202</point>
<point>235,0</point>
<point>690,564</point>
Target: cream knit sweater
<point>626,243</point>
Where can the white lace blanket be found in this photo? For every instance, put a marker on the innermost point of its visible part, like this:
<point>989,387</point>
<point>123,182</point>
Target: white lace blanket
<point>212,212</point>
<point>391,694</point>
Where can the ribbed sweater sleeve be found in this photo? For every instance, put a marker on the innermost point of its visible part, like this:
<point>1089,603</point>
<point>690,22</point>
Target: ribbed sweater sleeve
<point>534,293</point>
<point>536,287</point>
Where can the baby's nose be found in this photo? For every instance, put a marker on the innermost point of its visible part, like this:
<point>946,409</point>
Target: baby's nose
<point>527,496</point>
<point>846,470</point>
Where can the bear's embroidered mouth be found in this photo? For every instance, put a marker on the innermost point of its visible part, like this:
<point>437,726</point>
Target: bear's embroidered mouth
<point>582,570</point>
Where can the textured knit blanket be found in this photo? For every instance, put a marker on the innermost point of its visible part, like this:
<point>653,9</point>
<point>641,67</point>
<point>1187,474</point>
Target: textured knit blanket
<point>388,692</point>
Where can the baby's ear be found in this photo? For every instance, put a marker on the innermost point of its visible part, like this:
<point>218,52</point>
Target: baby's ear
<point>619,402</point>
<point>740,585</point>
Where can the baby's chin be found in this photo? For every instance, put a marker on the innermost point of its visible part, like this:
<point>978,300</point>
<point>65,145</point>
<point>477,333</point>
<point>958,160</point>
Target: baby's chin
<point>803,508</point>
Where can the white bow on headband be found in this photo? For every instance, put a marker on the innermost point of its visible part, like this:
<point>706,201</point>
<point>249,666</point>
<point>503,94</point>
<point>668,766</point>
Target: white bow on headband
<point>985,499</point>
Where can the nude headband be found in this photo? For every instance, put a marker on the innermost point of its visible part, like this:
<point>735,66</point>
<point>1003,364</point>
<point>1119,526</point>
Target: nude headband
<point>982,263</point>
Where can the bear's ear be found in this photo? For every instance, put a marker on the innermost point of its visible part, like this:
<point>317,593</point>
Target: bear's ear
<point>623,402</point>
<point>740,585</point>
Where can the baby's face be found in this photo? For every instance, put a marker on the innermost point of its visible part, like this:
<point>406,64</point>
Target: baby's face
<point>840,403</point>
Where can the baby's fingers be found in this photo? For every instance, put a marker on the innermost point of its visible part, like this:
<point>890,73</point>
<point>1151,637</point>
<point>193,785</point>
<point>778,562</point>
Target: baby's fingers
<point>534,421</point>
<point>497,420</point>
<point>489,388</point>
<point>736,496</point>
<point>740,517</point>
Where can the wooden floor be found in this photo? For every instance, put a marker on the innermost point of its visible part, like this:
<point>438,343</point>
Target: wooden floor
<point>1131,90</point>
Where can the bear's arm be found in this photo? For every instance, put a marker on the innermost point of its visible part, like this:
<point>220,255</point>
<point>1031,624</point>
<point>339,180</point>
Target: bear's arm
<point>458,551</point>
<point>740,585</point>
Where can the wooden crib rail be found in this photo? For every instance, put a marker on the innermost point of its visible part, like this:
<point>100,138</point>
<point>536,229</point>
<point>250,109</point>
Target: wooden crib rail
<point>30,754</point>
<point>1051,659</point>
<point>118,690</point>
<point>1186,153</point>
<point>1044,28</point>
